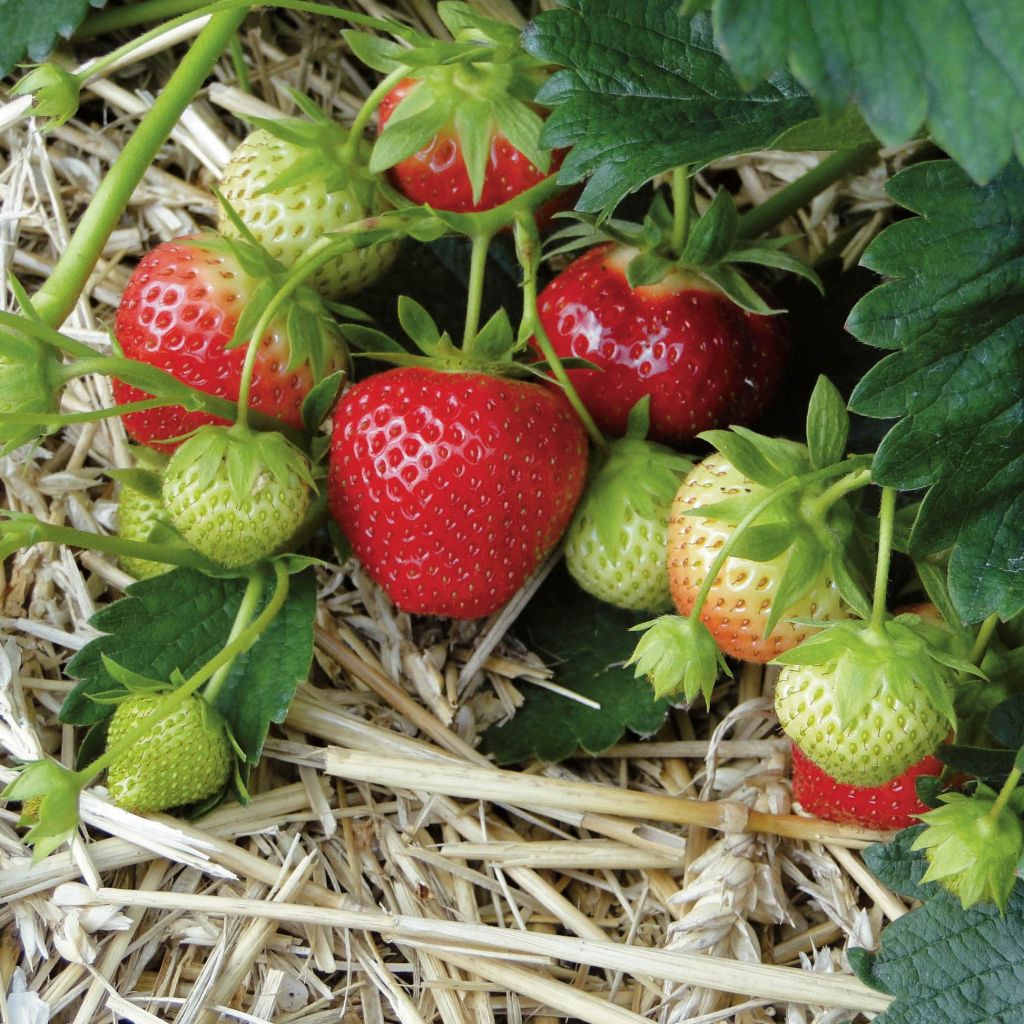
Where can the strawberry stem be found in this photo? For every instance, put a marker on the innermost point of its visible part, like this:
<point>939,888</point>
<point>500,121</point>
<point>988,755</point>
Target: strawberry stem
<point>57,297</point>
<point>886,519</point>
<point>475,288</point>
<point>368,109</point>
<point>66,419</point>
<point>799,193</point>
<point>981,642</point>
<point>819,506</point>
<point>1011,783</point>
<point>682,199</point>
<point>235,646</point>
<point>528,252</point>
<point>244,615</point>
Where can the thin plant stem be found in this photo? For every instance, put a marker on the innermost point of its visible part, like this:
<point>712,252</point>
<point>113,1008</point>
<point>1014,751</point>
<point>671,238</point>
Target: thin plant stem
<point>241,643</point>
<point>799,193</point>
<point>832,494</point>
<point>475,294</point>
<point>55,300</point>
<point>239,64</point>
<point>682,199</point>
<point>367,110</point>
<point>244,615</point>
<point>27,419</point>
<point>113,19</point>
<point>886,519</point>
<point>1011,783</point>
<point>981,641</point>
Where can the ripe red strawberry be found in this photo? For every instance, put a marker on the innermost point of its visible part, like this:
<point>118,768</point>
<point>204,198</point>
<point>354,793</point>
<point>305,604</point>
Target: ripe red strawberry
<point>704,361</point>
<point>437,173</point>
<point>179,312</point>
<point>740,600</point>
<point>892,806</point>
<point>452,486</point>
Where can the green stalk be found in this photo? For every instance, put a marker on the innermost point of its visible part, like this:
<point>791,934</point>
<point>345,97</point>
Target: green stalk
<point>682,199</point>
<point>238,62</point>
<point>55,300</point>
<point>799,193</point>
<point>113,19</point>
<point>528,252</point>
<point>886,519</point>
<point>1011,783</point>
<point>28,419</point>
<point>241,643</point>
<point>817,508</point>
<point>474,298</point>
<point>787,488</point>
<point>47,335</point>
<point>367,110</point>
<point>981,642</point>
<point>244,615</point>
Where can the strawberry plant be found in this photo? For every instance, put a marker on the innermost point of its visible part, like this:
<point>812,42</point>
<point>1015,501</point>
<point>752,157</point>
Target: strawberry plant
<point>635,401</point>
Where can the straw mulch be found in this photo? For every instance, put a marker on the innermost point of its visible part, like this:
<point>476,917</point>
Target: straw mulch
<point>385,870</point>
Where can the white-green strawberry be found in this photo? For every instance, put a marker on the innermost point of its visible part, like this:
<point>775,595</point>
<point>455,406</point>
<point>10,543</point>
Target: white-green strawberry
<point>236,496</point>
<point>186,756</point>
<point>865,702</point>
<point>291,182</point>
<point>616,544</point>
<point>140,508</point>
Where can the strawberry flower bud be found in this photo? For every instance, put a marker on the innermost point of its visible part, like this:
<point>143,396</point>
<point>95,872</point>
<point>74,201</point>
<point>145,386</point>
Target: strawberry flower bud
<point>29,386</point>
<point>679,656</point>
<point>52,791</point>
<point>973,846</point>
<point>54,92</point>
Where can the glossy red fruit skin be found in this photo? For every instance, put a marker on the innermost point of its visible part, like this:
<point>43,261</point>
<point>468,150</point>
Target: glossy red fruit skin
<point>437,175</point>
<point>892,806</point>
<point>178,313</point>
<point>704,361</point>
<point>451,487</point>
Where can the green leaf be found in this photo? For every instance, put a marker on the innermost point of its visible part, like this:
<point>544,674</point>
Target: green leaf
<point>956,68</point>
<point>494,342</point>
<point>317,405</point>
<point>954,311</point>
<point>418,324</point>
<point>587,643</point>
<point>899,866</point>
<point>32,27</point>
<point>712,235</point>
<point>763,543</point>
<point>828,425</point>
<point>646,90</point>
<point>806,558</point>
<point>179,621</point>
<point>943,963</point>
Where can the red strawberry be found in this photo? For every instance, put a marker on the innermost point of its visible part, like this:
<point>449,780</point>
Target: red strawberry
<point>452,486</point>
<point>179,312</point>
<point>437,174</point>
<point>704,361</point>
<point>892,806</point>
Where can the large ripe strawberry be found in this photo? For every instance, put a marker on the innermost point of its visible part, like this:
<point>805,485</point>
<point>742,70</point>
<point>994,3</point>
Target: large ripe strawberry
<point>236,496</point>
<point>438,176</point>
<point>893,805</point>
<point>704,361</point>
<point>452,486</point>
<point>179,313</point>
<point>293,181</point>
<point>741,600</point>
<point>185,757</point>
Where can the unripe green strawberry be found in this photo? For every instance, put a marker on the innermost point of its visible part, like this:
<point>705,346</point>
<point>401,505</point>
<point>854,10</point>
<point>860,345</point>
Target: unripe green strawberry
<point>864,701</point>
<point>236,496</point>
<point>974,844</point>
<point>287,211</point>
<point>185,757</point>
<point>137,513</point>
<point>617,542</point>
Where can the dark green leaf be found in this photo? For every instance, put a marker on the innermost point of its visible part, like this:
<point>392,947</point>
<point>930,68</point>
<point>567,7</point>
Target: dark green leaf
<point>981,762</point>
<point>712,236</point>
<point>955,313</point>
<point>587,643</point>
<point>907,65</point>
<point>946,964</point>
<point>900,867</point>
<point>828,424</point>
<point>317,405</point>
<point>645,90</point>
<point>1006,722</point>
<point>647,268</point>
<point>179,621</point>
<point>32,28</point>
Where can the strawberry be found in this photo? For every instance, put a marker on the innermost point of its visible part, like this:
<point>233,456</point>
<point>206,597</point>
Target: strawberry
<point>742,600</point>
<point>615,547</point>
<point>236,496</point>
<point>894,805</point>
<point>185,757</point>
<point>179,312</point>
<point>292,181</point>
<point>452,486</point>
<point>704,361</point>
<point>437,174</point>
<point>139,510</point>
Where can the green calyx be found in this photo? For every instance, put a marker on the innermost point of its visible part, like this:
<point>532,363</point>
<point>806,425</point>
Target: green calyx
<point>974,845</point>
<point>55,94</point>
<point>712,249</point>
<point>903,658</point>
<point>679,657</point>
<point>237,496</point>
<point>31,377</point>
<point>481,83</point>
<point>805,511</point>
<point>54,818</point>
